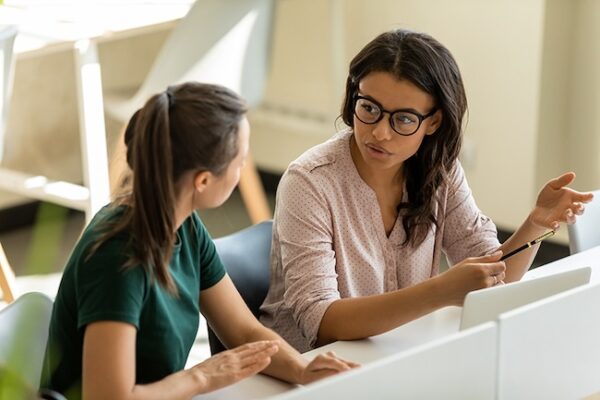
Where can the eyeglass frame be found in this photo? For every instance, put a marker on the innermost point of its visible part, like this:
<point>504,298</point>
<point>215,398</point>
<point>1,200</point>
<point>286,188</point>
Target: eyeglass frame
<point>419,116</point>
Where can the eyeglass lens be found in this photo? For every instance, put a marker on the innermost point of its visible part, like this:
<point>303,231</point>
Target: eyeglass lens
<point>403,122</point>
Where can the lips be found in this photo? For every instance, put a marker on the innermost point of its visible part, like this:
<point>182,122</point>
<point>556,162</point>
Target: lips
<point>377,148</point>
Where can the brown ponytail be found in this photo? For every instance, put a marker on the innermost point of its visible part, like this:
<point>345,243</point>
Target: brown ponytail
<point>189,127</point>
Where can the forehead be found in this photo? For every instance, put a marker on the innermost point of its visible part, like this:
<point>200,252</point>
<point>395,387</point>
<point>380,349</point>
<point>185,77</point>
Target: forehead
<point>393,93</point>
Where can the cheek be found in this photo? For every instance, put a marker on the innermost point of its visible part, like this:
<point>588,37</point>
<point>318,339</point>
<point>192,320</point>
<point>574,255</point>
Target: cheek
<point>232,181</point>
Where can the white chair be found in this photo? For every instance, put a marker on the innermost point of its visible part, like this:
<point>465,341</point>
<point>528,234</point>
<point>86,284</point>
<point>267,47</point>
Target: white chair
<point>23,337</point>
<point>222,42</point>
<point>94,192</point>
<point>585,233</point>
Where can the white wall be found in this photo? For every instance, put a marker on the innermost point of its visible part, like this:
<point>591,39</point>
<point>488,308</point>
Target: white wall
<point>497,44</point>
<point>529,67</point>
<point>530,71</point>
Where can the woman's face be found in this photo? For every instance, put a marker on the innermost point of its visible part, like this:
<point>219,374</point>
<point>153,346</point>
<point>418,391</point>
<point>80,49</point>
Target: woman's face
<point>220,187</point>
<point>380,147</point>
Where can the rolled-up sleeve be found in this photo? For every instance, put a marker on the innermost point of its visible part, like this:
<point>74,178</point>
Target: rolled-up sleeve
<point>308,262</point>
<point>467,231</point>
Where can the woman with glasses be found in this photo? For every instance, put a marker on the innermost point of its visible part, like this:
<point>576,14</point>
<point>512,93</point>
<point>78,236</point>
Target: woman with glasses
<point>127,310</point>
<point>363,220</point>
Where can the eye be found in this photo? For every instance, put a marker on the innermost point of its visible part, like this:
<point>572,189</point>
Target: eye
<point>369,107</point>
<point>405,118</point>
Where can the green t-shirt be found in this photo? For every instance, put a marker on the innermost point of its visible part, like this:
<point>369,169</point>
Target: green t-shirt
<point>99,289</point>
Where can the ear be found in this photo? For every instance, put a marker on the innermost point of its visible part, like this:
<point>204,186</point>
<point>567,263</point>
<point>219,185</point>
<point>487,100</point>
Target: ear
<point>434,124</point>
<point>202,180</point>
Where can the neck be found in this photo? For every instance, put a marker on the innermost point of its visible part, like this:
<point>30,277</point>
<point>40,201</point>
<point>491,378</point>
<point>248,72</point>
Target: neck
<point>183,208</point>
<point>376,178</point>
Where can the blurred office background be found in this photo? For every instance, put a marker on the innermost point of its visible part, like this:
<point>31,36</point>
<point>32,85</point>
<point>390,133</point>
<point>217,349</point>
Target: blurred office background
<point>530,69</point>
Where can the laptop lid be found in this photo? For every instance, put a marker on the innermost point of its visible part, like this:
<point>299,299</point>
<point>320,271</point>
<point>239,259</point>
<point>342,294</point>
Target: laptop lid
<point>487,304</point>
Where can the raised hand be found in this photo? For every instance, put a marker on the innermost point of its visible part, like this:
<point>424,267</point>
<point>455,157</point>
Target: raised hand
<point>233,365</point>
<point>325,365</point>
<point>557,203</point>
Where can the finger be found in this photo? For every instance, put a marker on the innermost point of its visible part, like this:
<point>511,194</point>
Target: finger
<point>495,268</point>
<point>501,276</point>
<point>250,357</point>
<point>569,216</point>
<point>578,208</point>
<point>254,347</point>
<point>324,361</point>
<point>554,225</point>
<point>495,256</point>
<point>253,369</point>
<point>351,364</point>
<point>497,279</point>
<point>255,358</point>
<point>562,180</point>
<point>583,197</point>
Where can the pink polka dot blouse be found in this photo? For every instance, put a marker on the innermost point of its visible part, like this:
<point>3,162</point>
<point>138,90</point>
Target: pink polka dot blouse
<point>329,241</point>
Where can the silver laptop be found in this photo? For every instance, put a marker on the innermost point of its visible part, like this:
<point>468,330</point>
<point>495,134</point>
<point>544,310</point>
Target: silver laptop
<point>487,304</point>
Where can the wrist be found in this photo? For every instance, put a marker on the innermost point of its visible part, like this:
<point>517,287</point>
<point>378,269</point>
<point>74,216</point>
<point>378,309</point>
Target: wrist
<point>438,292</point>
<point>198,378</point>
<point>299,371</point>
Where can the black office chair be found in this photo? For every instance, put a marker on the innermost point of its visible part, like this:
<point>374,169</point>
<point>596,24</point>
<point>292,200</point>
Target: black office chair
<point>246,256</point>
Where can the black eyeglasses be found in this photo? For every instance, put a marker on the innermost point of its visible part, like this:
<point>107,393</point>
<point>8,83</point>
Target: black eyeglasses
<point>403,122</point>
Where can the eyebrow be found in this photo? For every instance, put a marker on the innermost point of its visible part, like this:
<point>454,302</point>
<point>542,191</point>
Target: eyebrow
<point>389,111</point>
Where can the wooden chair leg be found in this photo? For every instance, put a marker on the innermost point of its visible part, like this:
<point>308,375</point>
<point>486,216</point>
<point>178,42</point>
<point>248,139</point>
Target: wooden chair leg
<point>253,193</point>
<point>7,278</point>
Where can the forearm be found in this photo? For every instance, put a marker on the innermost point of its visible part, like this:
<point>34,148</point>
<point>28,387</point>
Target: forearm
<point>517,265</point>
<point>180,385</point>
<point>287,364</point>
<point>362,317</point>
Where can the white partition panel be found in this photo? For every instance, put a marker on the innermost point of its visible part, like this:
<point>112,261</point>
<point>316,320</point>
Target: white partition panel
<point>460,366</point>
<point>551,349</point>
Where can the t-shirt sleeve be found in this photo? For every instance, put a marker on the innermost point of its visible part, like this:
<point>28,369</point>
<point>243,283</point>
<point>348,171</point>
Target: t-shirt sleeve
<point>211,266</point>
<point>468,232</point>
<point>108,292</point>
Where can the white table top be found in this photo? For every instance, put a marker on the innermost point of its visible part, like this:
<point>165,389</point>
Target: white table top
<point>423,330</point>
<point>45,23</point>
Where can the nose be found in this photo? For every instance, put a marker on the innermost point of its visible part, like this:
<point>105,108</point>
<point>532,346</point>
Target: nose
<point>382,130</point>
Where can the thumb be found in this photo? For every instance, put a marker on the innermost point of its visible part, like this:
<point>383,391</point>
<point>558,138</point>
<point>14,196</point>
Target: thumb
<point>495,256</point>
<point>562,180</point>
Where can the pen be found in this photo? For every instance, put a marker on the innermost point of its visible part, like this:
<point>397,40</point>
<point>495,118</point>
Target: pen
<point>528,245</point>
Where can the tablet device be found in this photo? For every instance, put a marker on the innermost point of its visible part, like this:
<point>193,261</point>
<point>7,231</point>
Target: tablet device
<point>487,304</point>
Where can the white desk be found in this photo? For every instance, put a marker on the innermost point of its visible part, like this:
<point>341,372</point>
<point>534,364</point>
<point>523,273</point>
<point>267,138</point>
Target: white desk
<point>436,325</point>
<point>549,349</point>
<point>589,257</point>
<point>427,329</point>
<point>447,368</point>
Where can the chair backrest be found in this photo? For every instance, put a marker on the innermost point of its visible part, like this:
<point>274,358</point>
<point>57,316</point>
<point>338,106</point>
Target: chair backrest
<point>585,233</point>
<point>7,39</point>
<point>23,336</point>
<point>223,42</point>
<point>246,256</point>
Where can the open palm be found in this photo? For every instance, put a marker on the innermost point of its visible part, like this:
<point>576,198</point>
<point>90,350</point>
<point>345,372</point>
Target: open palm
<point>557,203</point>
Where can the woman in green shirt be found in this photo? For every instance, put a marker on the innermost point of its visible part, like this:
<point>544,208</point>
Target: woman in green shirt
<point>127,309</point>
